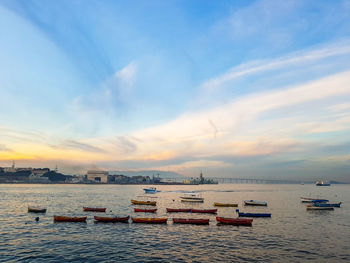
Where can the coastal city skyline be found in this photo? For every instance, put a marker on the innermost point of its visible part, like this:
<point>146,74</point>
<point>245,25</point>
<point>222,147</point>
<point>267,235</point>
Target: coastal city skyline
<point>235,89</point>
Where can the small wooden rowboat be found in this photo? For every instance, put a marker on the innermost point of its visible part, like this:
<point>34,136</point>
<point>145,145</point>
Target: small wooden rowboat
<point>178,210</point>
<point>32,209</point>
<point>112,219</point>
<point>253,202</point>
<point>313,200</point>
<point>207,211</point>
<point>327,204</point>
<point>148,220</point>
<point>145,210</point>
<point>69,219</point>
<point>135,202</point>
<point>253,214</point>
<point>94,209</point>
<point>235,221</point>
<point>193,221</point>
<point>225,205</point>
<point>312,207</point>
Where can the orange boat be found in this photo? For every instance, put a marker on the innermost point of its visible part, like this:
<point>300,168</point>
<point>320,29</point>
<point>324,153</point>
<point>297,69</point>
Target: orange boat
<point>69,219</point>
<point>112,219</point>
<point>234,221</point>
<point>94,209</point>
<point>193,221</point>
<point>135,202</point>
<point>148,220</point>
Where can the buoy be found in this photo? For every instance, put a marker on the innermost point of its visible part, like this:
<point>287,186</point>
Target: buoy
<point>37,219</point>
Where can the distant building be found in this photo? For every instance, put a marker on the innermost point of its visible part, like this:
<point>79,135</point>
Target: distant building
<point>97,176</point>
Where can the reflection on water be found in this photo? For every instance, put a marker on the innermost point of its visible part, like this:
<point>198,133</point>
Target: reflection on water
<point>291,235</point>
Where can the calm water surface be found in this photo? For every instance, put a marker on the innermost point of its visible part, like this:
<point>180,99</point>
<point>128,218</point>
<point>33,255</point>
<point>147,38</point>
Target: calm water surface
<point>291,235</point>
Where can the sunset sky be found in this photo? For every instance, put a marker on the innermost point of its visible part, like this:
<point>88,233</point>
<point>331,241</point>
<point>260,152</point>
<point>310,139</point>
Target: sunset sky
<point>232,88</point>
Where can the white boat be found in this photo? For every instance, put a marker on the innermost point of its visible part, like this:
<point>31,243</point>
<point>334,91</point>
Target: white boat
<point>192,197</point>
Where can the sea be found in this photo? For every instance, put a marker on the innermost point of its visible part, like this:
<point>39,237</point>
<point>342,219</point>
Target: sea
<point>292,234</point>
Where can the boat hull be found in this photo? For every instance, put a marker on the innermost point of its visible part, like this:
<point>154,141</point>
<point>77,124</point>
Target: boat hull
<point>36,210</point>
<point>313,200</point>
<point>192,200</point>
<point>135,202</point>
<point>254,214</point>
<point>225,205</point>
<point>315,208</point>
<point>255,203</point>
<point>69,219</point>
<point>234,221</point>
<point>178,210</point>
<point>327,205</point>
<point>193,221</point>
<point>94,209</point>
<point>112,219</point>
<point>137,210</point>
<point>149,220</point>
<point>205,211</point>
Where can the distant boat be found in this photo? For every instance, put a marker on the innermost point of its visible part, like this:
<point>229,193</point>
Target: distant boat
<point>137,210</point>
<point>313,200</point>
<point>192,197</point>
<point>94,209</point>
<point>150,190</point>
<point>149,220</point>
<point>206,211</point>
<point>327,204</point>
<point>312,207</point>
<point>321,183</point>
<point>69,219</point>
<point>234,221</point>
<point>225,205</point>
<point>253,214</point>
<point>111,219</point>
<point>193,221</point>
<point>178,210</point>
<point>32,209</point>
<point>256,203</point>
<point>135,202</point>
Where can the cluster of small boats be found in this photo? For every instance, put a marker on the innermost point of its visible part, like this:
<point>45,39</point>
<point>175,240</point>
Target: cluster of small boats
<point>319,204</point>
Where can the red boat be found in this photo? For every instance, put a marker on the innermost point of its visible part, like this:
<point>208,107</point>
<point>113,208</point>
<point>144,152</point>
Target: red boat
<point>234,221</point>
<point>194,221</point>
<point>111,219</point>
<point>178,210</point>
<point>94,209</point>
<point>69,219</point>
<point>149,220</point>
<point>145,210</point>
<point>207,211</point>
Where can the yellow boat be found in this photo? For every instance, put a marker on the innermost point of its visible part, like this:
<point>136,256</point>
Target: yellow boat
<point>225,205</point>
<point>143,202</point>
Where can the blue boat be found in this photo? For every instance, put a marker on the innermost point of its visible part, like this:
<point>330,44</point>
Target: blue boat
<point>313,200</point>
<point>151,190</point>
<point>253,214</point>
<point>327,204</point>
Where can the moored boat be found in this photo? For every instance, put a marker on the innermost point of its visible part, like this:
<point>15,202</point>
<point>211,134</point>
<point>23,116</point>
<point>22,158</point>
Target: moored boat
<point>207,211</point>
<point>253,214</point>
<point>312,207</point>
<point>235,221</point>
<point>225,205</point>
<point>254,202</point>
<point>321,183</point>
<point>32,209</point>
<point>192,197</point>
<point>69,219</point>
<point>135,202</point>
<point>94,209</point>
<point>148,220</point>
<point>194,221</point>
<point>137,210</point>
<point>313,200</point>
<point>327,204</point>
<point>104,219</point>
<point>178,210</point>
<point>150,190</point>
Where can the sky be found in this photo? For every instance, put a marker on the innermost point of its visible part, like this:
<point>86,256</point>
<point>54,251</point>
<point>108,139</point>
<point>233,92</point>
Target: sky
<point>245,89</point>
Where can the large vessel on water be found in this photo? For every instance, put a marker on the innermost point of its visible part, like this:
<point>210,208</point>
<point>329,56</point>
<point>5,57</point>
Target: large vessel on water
<point>321,183</point>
